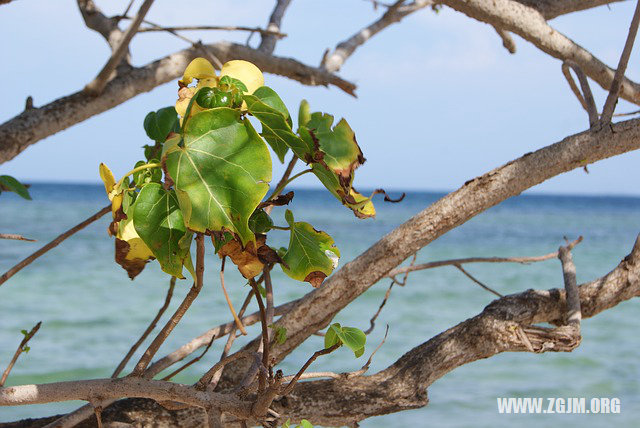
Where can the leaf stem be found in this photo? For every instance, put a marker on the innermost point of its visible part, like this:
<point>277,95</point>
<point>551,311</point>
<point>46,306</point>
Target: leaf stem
<point>283,185</point>
<point>137,169</point>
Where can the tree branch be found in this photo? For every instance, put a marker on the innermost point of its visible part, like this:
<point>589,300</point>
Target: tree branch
<point>395,13</point>
<point>33,125</point>
<point>21,348</point>
<point>318,308</point>
<point>612,98</point>
<point>149,329</point>
<point>268,43</point>
<point>528,23</point>
<point>15,237</point>
<point>96,86</point>
<point>402,385</point>
<point>179,313</point>
<point>8,274</point>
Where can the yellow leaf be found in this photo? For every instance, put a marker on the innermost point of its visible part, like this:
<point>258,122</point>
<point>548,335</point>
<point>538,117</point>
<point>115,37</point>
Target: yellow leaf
<point>244,71</point>
<point>131,251</point>
<point>199,68</point>
<point>107,178</point>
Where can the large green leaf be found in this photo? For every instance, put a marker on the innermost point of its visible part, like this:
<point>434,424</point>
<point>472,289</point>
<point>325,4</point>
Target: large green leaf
<point>158,221</point>
<point>311,255</point>
<point>158,124</point>
<point>269,109</point>
<point>221,171</point>
<point>10,184</point>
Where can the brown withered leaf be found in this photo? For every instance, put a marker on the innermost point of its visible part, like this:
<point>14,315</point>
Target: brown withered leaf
<point>315,278</point>
<point>133,267</point>
<point>246,259</point>
<point>279,201</point>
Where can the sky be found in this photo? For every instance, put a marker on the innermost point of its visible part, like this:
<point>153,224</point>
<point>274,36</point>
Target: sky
<point>440,101</point>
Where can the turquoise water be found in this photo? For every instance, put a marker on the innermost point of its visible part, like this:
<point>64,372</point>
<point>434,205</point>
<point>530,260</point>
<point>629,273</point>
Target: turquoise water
<point>92,312</point>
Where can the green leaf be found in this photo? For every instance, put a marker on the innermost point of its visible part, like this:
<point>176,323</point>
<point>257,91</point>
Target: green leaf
<point>304,113</point>
<point>12,185</point>
<point>26,349</point>
<point>311,255</point>
<point>260,222</point>
<point>24,332</point>
<point>286,424</point>
<point>336,156</point>
<point>276,124</point>
<point>280,334</point>
<point>228,81</point>
<point>158,221</point>
<point>353,338</point>
<point>150,175</point>
<point>331,336</point>
<point>158,124</point>
<point>305,424</point>
<point>221,172</point>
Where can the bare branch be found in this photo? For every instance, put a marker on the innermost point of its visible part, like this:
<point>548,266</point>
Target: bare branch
<point>287,389</point>
<point>472,278</point>
<point>553,8</point>
<point>507,41</point>
<point>179,313</point>
<point>268,42</point>
<point>228,299</point>
<point>206,378</point>
<point>149,329</point>
<point>571,288</point>
<point>15,237</point>
<point>612,98</point>
<point>276,34</point>
<point>333,61</point>
<point>586,101</point>
<point>31,126</point>
<point>319,307</point>
<point>21,348</point>
<point>96,86</point>
<point>8,274</point>
<point>265,334</point>
<point>106,27</point>
<point>402,386</point>
<point>528,23</point>
<point>453,262</point>
<point>190,363</point>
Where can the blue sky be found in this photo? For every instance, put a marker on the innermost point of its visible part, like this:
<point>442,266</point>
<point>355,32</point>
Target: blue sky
<point>440,100</point>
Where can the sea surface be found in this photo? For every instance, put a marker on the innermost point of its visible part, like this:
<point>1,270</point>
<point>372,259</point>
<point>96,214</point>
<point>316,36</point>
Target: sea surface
<point>92,313</point>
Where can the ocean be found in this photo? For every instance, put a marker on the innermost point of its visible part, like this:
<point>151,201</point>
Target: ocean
<point>92,313</point>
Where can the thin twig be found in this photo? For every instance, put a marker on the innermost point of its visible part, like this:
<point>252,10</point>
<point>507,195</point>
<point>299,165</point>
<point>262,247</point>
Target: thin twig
<point>206,378</point>
<point>283,180</point>
<point>19,351</point>
<point>15,237</point>
<point>472,278</point>
<point>149,329</point>
<point>265,335</point>
<point>269,298</point>
<point>616,84</point>
<point>97,410</point>
<point>231,338</point>
<point>177,316</point>
<point>226,296</point>
<point>585,97</point>
<point>287,389</point>
<point>191,362</point>
<point>8,274</point>
<point>96,86</point>
<point>521,260</point>
<point>154,28</point>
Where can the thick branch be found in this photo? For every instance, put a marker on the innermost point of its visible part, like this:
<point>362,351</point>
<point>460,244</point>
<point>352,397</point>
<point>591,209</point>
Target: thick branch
<point>318,308</point>
<point>553,8</point>
<point>403,385</point>
<point>528,23</point>
<point>33,125</point>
